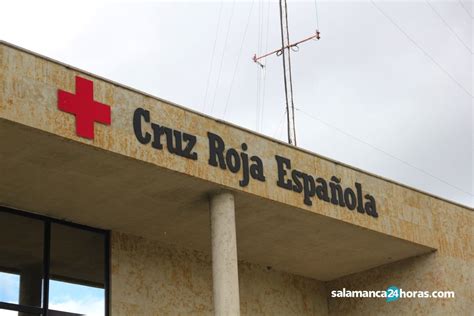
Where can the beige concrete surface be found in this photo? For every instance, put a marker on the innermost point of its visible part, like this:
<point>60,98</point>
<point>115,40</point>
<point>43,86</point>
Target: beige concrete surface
<point>431,272</point>
<point>149,278</point>
<point>225,275</point>
<point>450,268</point>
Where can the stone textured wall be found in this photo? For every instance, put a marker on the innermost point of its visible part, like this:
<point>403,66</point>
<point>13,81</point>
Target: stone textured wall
<point>149,278</point>
<point>425,273</point>
<point>450,268</point>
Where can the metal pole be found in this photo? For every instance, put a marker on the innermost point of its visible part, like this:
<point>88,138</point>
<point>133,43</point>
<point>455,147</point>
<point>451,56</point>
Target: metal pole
<point>285,52</point>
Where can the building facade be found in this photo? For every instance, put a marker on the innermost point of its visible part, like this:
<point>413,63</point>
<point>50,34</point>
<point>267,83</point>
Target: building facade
<point>157,209</point>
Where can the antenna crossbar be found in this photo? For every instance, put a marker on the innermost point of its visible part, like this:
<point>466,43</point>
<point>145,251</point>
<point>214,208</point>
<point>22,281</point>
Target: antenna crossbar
<point>279,51</point>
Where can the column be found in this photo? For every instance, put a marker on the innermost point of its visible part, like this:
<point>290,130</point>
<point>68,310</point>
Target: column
<point>225,275</point>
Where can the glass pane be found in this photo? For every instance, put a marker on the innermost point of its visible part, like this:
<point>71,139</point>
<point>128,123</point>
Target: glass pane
<point>9,288</point>
<point>81,299</point>
<point>21,259</point>
<point>77,271</point>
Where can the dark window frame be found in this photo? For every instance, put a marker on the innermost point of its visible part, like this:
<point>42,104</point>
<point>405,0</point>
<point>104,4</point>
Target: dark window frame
<point>47,221</point>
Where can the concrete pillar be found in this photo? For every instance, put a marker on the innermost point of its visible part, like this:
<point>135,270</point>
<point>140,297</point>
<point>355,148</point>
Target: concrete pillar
<point>225,275</point>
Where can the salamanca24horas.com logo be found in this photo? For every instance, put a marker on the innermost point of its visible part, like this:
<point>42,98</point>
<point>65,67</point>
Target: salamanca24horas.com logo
<point>391,294</point>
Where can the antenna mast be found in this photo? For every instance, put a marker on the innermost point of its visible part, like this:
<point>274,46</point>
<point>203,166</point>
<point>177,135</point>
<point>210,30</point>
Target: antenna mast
<point>285,52</point>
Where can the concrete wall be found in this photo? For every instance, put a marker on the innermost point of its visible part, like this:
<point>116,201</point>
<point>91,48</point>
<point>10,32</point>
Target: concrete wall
<point>149,278</point>
<point>425,273</point>
<point>152,278</point>
<point>450,268</point>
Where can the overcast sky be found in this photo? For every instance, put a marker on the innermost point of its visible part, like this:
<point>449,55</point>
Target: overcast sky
<point>387,89</point>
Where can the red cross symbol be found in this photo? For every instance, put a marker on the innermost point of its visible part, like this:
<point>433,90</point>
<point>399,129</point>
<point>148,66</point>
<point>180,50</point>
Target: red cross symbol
<point>83,106</point>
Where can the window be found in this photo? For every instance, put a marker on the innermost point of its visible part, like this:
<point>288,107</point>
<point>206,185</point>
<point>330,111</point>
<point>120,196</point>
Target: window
<point>51,268</point>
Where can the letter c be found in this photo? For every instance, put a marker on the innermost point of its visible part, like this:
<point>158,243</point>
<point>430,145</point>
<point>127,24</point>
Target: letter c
<point>137,125</point>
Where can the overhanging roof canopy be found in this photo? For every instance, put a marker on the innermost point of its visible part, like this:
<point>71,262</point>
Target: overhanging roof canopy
<point>50,175</point>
